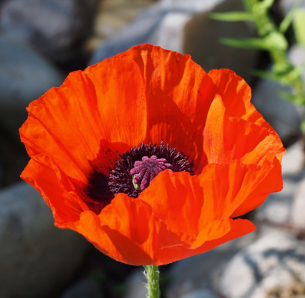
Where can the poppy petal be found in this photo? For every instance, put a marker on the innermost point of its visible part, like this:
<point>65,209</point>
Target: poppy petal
<point>75,133</point>
<point>52,184</point>
<point>135,236</point>
<point>90,107</point>
<point>188,203</point>
<point>126,230</point>
<point>237,228</point>
<point>236,95</point>
<point>228,138</point>
<point>178,95</point>
<point>273,182</point>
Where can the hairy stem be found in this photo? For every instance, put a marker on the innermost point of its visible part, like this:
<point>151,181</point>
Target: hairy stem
<point>152,275</point>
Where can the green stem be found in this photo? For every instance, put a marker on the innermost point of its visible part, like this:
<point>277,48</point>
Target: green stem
<point>265,26</point>
<point>152,275</point>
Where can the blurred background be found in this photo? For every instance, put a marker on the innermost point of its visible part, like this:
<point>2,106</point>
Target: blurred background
<point>41,41</point>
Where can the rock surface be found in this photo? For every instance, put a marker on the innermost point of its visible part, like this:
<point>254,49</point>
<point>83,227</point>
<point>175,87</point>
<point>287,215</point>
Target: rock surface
<point>201,41</point>
<point>273,266</point>
<point>185,26</point>
<point>201,293</point>
<point>286,5</point>
<point>36,258</point>
<point>278,206</point>
<point>297,218</point>
<point>112,16</point>
<point>136,285</point>
<point>24,76</point>
<point>87,288</point>
<point>203,270</point>
<point>55,28</point>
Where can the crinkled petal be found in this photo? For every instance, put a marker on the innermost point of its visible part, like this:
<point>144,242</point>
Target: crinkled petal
<point>188,203</point>
<point>146,94</point>
<point>230,229</point>
<point>273,182</point>
<point>128,231</point>
<point>229,138</point>
<point>56,190</point>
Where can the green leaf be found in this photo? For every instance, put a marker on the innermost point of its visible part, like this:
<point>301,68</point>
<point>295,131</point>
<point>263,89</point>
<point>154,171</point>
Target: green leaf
<point>295,99</point>
<point>270,76</point>
<point>299,26</point>
<point>261,7</point>
<point>266,3</point>
<point>296,72</point>
<point>276,40</point>
<point>247,43</point>
<point>303,126</point>
<point>288,19</point>
<point>234,16</point>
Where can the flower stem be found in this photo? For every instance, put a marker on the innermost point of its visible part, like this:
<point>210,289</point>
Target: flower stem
<point>152,275</point>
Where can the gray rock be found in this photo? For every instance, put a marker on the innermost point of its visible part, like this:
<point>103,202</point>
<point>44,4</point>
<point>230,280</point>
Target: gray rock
<point>293,161</point>
<point>136,285</point>
<point>297,217</point>
<point>185,26</point>
<point>55,28</point>
<point>201,41</point>
<point>201,293</point>
<point>297,55</point>
<point>278,206</point>
<point>273,266</point>
<point>204,270</point>
<point>286,5</point>
<point>195,5</point>
<point>24,76</point>
<point>87,288</point>
<point>283,116</point>
<point>36,258</point>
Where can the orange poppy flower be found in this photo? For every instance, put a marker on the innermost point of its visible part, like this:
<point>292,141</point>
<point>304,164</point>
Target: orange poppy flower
<point>215,157</point>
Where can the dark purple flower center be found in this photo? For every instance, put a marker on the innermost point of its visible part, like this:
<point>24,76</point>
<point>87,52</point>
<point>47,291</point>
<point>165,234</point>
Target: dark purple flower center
<point>135,169</point>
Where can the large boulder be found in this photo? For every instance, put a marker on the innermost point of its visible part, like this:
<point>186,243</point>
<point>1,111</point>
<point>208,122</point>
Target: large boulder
<point>37,259</point>
<point>278,206</point>
<point>201,40</point>
<point>87,288</point>
<point>55,28</point>
<point>297,218</point>
<point>190,275</point>
<point>185,26</point>
<point>24,76</point>
<point>273,266</point>
<point>287,5</point>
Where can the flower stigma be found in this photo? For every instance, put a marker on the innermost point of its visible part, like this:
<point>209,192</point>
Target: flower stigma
<point>146,170</point>
<point>135,169</point>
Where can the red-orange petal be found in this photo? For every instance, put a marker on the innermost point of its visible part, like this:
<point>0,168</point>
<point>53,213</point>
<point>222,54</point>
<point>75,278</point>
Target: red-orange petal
<point>188,203</point>
<point>56,190</point>
<point>236,228</point>
<point>133,235</point>
<point>229,138</point>
<point>149,94</point>
<point>146,94</point>
<point>128,231</point>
